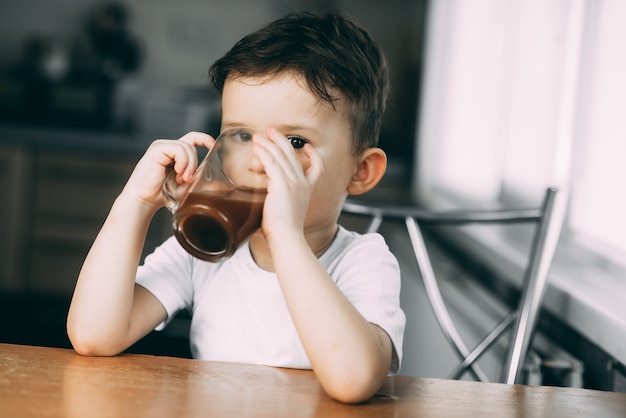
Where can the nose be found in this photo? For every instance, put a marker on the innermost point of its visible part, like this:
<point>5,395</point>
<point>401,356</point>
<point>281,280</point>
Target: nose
<point>255,165</point>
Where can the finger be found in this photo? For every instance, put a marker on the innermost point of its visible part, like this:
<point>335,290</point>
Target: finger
<point>198,139</point>
<point>272,169</point>
<point>282,151</point>
<point>316,165</point>
<point>185,160</point>
<point>195,139</point>
<point>179,154</point>
<point>187,166</point>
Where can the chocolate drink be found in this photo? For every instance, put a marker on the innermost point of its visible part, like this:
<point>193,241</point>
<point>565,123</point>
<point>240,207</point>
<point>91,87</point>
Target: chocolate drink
<point>211,226</point>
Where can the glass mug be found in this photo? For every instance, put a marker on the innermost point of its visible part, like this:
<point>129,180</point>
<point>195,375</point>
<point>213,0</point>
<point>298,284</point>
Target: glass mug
<point>222,206</point>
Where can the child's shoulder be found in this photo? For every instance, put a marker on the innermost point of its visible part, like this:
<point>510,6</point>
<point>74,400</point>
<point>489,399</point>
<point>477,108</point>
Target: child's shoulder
<point>348,241</point>
<point>348,236</point>
<point>357,256</point>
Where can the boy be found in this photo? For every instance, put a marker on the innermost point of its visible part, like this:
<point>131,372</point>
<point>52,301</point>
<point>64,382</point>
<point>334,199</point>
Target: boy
<point>303,292</point>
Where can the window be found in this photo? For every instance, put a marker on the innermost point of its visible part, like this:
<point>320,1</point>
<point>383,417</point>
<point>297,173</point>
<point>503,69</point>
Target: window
<point>525,94</point>
<point>598,205</point>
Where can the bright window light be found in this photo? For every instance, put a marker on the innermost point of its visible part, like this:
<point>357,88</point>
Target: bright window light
<point>527,94</point>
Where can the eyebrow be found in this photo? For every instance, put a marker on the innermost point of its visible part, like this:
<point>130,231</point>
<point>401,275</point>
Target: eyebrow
<point>285,128</point>
<point>227,124</point>
<point>292,128</point>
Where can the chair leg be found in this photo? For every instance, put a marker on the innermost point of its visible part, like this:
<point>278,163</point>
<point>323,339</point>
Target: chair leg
<point>434,295</point>
<point>484,345</point>
<point>543,248</point>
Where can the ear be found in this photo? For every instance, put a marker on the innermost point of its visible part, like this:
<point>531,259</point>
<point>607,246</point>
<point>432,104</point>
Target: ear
<point>370,169</point>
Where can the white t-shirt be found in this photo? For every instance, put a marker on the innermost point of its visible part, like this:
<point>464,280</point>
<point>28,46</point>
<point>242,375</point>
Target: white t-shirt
<point>238,310</point>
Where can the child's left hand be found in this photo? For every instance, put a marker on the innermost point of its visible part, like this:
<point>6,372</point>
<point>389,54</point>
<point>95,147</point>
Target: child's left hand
<point>290,184</point>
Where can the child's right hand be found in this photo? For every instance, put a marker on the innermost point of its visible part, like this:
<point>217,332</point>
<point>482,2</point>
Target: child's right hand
<point>109,311</point>
<point>145,182</point>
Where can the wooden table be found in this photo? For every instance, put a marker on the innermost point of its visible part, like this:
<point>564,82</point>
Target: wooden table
<point>53,382</point>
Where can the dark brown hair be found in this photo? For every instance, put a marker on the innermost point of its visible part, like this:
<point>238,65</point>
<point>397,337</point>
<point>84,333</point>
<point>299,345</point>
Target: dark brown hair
<point>331,51</point>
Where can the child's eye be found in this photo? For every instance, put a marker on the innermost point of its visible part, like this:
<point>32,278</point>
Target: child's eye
<point>243,136</point>
<point>297,142</point>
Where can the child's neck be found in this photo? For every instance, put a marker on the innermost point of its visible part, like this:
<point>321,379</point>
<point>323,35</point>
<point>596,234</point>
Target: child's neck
<point>318,242</point>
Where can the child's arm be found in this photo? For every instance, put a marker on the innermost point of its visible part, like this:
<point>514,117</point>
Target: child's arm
<point>350,356</point>
<point>108,312</point>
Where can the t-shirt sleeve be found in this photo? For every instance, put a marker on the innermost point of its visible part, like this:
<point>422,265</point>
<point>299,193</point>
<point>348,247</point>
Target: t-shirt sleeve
<point>368,274</point>
<point>166,273</point>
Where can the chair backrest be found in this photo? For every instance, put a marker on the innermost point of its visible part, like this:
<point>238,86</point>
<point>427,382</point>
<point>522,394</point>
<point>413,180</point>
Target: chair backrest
<point>548,219</point>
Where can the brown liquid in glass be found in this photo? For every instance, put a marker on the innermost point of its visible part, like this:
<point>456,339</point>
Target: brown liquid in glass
<point>211,226</point>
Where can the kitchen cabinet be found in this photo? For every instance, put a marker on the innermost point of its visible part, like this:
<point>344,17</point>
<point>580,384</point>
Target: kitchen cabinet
<point>15,169</point>
<point>56,201</point>
<point>58,187</point>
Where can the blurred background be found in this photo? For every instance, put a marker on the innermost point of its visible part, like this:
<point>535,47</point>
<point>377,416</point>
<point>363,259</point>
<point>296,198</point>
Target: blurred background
<point>492,101</point>
<point>140,66</point>
<point>86,85</point>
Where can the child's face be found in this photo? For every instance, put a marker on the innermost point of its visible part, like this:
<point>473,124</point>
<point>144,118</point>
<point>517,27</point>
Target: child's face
<point>286,104</point>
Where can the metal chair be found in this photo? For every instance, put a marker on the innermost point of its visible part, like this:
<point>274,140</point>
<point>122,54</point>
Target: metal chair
<point>548,218</point>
